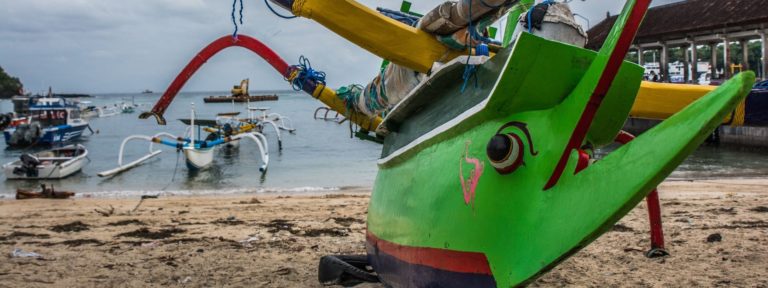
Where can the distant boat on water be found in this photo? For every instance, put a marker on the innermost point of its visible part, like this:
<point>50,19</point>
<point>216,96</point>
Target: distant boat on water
<point>147,91</point>
<point>51,121</point>
<point>70,95</point>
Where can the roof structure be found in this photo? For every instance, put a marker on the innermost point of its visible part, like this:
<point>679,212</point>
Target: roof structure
<point>690,18</point>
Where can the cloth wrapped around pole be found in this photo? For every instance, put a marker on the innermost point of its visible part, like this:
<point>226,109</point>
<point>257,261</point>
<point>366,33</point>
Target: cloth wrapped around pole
<point>451,16</point>
<point>558,24</point>
<point>382,93</point>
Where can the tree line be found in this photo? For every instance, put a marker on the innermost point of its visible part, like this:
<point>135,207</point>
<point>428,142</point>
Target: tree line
<point>9,85</point>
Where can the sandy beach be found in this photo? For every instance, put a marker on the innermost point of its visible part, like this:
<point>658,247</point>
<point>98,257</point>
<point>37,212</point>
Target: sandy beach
<point>276,240</point>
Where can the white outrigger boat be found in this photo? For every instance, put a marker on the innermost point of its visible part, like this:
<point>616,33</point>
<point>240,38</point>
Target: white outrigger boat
<point>50,164</point>
<point>277,120</point>
<point>197,152</point>
<point>108,111</point>
<point>228,124</point>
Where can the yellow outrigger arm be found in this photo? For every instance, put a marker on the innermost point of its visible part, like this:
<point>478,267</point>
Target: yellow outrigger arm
<point>418,50</point>
<point>389,39</point>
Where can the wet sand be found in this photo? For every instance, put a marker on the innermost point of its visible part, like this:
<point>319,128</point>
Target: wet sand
<point>276,240</point>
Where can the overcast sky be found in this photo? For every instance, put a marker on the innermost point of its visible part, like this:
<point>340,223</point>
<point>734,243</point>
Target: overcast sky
<point>102,46</point>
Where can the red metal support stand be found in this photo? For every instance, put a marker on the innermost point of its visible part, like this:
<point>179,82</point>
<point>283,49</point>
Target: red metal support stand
<point>654,211</point>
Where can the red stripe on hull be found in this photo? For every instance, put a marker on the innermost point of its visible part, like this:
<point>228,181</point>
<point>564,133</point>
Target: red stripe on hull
<point>443,259</point>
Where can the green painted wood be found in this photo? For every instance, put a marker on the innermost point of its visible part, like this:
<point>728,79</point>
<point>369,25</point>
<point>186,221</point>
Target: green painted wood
<point>540,75</point>
<point>512,17</point>
<point>418,198</point>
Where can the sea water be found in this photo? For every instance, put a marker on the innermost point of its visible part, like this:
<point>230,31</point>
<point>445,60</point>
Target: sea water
<point>319,156</point>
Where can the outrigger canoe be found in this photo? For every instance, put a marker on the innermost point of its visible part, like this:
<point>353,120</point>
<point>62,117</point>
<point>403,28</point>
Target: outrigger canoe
<point>494,186</point>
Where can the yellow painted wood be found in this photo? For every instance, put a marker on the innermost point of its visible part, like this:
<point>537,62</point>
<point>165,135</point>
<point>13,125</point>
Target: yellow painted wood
<point>661,100</point>
<point>380,35</point>
<point>418,50</point>
<point>328,96</point>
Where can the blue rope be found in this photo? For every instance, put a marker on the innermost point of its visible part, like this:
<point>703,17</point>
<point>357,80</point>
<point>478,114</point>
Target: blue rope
<point>469,70</point>
<point>241,12</point>
<point>234,22</point>
<point>407,19</point>
<point>305,73</point>
<point>528,17</point>
<point>275,12</point>
<point>530,26</point>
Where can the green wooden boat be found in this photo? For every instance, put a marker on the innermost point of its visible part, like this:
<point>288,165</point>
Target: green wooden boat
<point>480,189</point>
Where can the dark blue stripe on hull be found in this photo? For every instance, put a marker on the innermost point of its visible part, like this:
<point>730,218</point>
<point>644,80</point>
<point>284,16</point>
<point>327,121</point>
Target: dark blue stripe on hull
<point>397,273</point>
<point>63,134</point>
<point>756,113</point>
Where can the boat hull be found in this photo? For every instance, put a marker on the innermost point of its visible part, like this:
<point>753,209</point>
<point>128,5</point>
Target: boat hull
<point>198,158</point>
<point>57,135</point>
<point>440,215</point>
<point>48,171</point>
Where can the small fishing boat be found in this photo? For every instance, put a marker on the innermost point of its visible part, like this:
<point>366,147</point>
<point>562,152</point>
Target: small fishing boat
<point>147,91</point>
<point>87,110</point>
<point>260,115</point>
<point>127,108</point>
<point>197,152</point>
<point>51,164</point>
<point>45,192</point>
<point>51,121</point>
<point>108,111</point>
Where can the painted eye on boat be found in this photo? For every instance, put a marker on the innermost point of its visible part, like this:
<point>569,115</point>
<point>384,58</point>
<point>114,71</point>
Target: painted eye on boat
<point>505,152</point>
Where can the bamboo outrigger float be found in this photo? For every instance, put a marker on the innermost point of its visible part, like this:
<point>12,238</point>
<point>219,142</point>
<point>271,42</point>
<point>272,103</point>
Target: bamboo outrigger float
<point>494,186</point>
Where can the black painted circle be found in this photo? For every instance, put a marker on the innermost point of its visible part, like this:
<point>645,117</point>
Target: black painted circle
<point>498,148</point>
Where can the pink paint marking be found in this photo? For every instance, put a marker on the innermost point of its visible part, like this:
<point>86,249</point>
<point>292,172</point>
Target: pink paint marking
<point>468,186</point>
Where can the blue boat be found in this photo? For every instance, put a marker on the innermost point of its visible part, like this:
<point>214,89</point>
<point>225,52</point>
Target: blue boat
<point>52,122</point>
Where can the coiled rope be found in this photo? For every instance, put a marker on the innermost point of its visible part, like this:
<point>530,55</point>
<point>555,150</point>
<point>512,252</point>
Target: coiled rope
<point>302,72</point>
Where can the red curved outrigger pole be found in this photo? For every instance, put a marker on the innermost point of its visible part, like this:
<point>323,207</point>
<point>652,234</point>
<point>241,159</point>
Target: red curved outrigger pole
<point>222,43</point>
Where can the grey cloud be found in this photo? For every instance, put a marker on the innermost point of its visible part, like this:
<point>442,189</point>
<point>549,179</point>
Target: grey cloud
<point>123,46</point>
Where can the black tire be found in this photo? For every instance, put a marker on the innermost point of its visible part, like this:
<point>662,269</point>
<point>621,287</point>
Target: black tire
<point>345,270</point>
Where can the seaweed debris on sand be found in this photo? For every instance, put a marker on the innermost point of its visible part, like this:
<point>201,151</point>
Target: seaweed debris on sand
<point>279,241</point>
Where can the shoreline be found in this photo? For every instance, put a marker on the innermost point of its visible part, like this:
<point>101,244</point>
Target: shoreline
<point>706,185</point>
<point>270,240</point>
<point>234,192</point>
